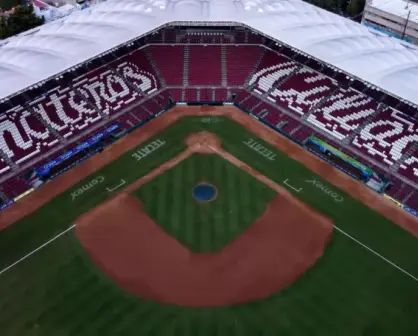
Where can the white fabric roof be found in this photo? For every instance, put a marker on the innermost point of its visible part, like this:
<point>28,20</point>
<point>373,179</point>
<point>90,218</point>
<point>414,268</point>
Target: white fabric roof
<point>56,46</point>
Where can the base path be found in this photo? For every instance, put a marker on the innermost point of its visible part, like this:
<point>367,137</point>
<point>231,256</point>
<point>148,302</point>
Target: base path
<point>356,189</point>
<point>144,260</point>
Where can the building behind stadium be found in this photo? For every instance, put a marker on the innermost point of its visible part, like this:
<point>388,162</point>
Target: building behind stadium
<point>396,18</point>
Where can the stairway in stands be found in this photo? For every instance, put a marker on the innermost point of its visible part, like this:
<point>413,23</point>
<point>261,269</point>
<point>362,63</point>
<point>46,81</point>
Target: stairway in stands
<point>3,197</point>
<point>408,197</point>
<point>242,101</point>
<point>134,117</point>
<point>319,104</point>
<point>120,75</point>
<point>48,126</point>
<point>6,159</point>
<point>255,67</point>
<point>186,66</point>
<point>154,67</point>
<point>296,129</point>
<point>134,87</point>
<point>346,141</point>
<point>404,157</point>
<point>279,83</point>
<point>224,66</point>
<point>90,103</point>
<point>403,194</point>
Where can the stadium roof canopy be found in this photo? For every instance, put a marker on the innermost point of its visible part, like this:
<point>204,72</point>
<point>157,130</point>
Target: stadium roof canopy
<point>383,61</point>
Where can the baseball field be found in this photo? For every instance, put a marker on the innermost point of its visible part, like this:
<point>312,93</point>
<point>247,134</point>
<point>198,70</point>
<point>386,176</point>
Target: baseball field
<point>206,222</point>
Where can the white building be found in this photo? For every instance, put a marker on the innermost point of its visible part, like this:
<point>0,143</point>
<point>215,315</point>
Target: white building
<point>50,10</point>
<point>396,18</point>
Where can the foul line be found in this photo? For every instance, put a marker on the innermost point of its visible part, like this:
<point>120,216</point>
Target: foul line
<point>336,227</point>
<point>122,182</point>
<point>297,190</point>
<point>37,249</point>
<point>375,253</point>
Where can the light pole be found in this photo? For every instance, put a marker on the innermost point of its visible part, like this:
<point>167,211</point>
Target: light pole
<point>406,22</point>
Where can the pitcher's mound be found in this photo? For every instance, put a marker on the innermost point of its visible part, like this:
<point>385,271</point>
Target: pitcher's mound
<point>144,260</point>
<point>204,192</point>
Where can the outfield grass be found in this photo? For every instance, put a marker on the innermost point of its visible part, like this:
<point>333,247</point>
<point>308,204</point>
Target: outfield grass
<point>350,291</point>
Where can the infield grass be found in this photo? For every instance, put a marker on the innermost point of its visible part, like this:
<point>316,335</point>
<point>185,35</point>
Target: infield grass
<point>350,291</point>
<point>205,227</point>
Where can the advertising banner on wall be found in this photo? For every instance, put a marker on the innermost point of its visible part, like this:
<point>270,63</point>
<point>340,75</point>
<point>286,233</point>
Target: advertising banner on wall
<point>411,211</point>
<point>44,169</point>
<point>325,146</point>
<point>399,204</point>
<point>5,205</point>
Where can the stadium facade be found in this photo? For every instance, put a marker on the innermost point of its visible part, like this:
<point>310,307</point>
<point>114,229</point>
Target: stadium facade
<point>72,86</point>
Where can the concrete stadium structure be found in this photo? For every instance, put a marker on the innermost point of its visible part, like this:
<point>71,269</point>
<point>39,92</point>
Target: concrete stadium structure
<point>300,69</point>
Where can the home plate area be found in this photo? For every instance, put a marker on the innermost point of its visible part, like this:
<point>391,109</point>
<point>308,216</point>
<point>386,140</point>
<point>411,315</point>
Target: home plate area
<point>145,260</point>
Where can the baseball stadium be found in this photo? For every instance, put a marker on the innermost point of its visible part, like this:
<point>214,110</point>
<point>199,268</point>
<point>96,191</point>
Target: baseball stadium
<point>210,168</point>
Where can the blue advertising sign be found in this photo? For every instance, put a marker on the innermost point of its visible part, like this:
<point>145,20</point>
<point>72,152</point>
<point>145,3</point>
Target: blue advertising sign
<point>44,169</point>
<point>411,211</point>
<point>5,205</point>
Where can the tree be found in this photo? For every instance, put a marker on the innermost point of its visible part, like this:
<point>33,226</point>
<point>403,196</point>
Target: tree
<point>334,6</point>
<point>6,5</point>
<point>351,8</point>
<point>21,19</point>
<point>355,8</point>
<point>3,28</point>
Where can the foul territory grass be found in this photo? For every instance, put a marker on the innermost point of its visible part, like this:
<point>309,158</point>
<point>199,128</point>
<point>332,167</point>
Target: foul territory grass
<point>350,291</point>
<point>61,212</point>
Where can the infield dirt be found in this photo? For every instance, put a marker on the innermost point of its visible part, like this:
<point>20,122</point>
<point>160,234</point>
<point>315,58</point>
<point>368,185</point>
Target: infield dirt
<point>144,260</point>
